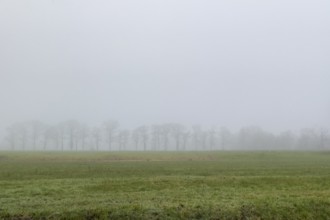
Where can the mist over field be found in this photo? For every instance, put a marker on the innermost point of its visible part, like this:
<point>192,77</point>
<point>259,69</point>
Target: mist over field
<point>204,69</point>
<point>164,109</point>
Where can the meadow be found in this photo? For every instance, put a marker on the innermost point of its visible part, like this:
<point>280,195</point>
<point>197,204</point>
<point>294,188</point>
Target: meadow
<point>165,185</point>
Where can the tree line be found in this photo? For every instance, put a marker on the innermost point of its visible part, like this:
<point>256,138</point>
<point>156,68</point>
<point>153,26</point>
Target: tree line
<point>73,135</point>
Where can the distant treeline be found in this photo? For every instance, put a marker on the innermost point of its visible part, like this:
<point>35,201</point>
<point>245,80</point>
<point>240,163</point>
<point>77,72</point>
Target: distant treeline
<point>73,135</point>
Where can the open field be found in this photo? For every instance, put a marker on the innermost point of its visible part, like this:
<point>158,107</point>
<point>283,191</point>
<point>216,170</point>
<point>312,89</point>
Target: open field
<point>165,185</point>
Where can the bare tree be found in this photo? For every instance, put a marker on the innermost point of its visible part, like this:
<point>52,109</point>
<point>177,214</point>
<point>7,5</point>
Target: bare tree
<point>72,128</point>
<point>224,134</point>
<point>51,135</point>
<point>83,134</point>
<point>204,136</point>
<point>185,138</point>
<point>61,128</point>
<point>177,131</point>
<point>19,132</point>
<point>110,127</point>
<point>143,132</point>
<point>211,133</point>
<point>12,137</point>
<point>123,137</point>
<point>37,129</point>
<point>164,135</point>
<point>323,138</point>
<point>197,134</point>
<point>96,134</point>
<point>136,138</point>
<point>156,136</point>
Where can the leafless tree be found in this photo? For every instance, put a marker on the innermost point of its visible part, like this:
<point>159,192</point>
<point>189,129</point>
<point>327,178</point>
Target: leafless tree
<point>37,129</point>
<point>156,136</point>
<point>12,137</point>
<point>83,134</point>
<point>185,138</point>
<point>72,128</point>
<point>323,138</point>
<point>164,133</point>
<point>123,137</point>
<point>136,137</point>
<point>177,131</point>
<point>224,134</point>
<point>96,135</point>
<point>212,139</point>
<point>110,128</point>
<point>19,133</point>
<point>144,134</point>
<point>61,129</point>
<point>197,136</point>
<point>51,135</point>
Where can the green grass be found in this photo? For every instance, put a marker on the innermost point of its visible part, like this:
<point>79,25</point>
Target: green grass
<point>166,185</point>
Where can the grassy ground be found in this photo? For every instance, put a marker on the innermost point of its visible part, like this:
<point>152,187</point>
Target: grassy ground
<point>203,185</point>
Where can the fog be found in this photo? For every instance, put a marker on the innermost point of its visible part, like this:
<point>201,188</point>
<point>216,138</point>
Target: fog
<point>215,63</point>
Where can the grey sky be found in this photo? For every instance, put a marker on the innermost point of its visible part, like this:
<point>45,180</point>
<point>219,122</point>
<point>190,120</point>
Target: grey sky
<point>231,63</point>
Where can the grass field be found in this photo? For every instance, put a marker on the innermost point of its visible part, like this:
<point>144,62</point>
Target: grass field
<point>165,185</point>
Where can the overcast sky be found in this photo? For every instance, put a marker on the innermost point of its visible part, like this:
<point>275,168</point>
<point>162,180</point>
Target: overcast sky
<point>231,63</point>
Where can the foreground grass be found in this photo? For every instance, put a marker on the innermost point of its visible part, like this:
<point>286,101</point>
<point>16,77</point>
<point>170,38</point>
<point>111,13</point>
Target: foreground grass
<point>203,185</point>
